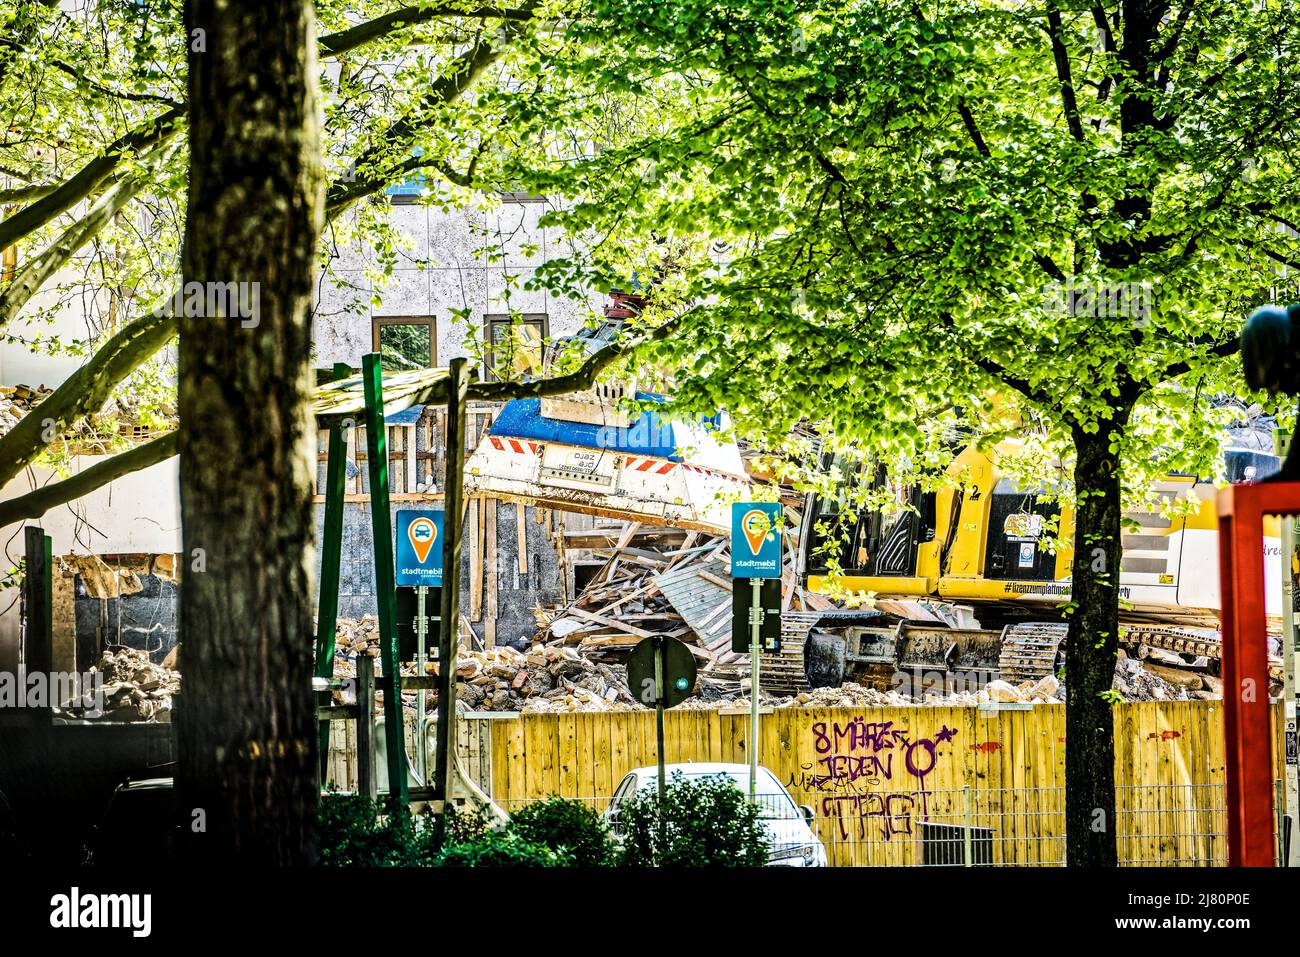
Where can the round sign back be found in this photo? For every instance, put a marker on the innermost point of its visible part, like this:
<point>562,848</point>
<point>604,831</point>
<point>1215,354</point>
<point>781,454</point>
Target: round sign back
<point>678,676</point>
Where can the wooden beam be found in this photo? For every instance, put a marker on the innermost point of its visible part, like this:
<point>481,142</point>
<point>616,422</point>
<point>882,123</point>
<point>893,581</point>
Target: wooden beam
<point>493,572</point>
<point>521,536</point>
<point>475,562</point>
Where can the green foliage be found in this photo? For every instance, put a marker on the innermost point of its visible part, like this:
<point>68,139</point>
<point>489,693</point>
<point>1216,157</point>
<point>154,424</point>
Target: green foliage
<point>703,822</point>
<point>502,848</point>
<point>354,831</point>
<point>567,827</point>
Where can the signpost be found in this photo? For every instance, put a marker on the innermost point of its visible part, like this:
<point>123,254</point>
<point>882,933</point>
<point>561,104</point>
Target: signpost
<point>419,563</point>
<point>1290,623</point>
<point>661,670</point>
<point>756,555</point>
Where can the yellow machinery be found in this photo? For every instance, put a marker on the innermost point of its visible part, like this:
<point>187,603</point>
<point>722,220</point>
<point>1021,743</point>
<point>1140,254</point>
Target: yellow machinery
<point>995,561</point>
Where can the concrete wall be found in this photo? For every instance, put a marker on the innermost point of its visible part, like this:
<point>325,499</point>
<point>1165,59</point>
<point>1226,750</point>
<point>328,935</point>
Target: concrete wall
<point>439,272</point>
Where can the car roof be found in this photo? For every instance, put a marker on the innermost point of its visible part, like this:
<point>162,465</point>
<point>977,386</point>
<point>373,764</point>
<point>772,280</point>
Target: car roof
<point>694,768</point>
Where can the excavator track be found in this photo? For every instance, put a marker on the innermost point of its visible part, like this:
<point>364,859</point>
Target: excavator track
<point>1029,650</point>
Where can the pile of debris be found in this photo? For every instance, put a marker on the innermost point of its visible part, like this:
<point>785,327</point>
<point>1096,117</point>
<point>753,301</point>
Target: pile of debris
<point>1147,681</point>
<point>624,603</point>
<point>16,401</point>
<point>501,678</point>
<point>666,581</point>
<point>126,686</point>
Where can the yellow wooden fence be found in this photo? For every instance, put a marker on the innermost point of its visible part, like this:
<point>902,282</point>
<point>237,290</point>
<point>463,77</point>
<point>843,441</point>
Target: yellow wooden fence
<point>881,780</point>
<point>884,783</point>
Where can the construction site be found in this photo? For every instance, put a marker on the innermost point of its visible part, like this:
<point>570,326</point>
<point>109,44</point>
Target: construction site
<point>912,704</point>
<point>633,440</point>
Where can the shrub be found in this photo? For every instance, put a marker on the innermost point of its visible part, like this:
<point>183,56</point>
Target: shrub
<point>501,848</point>
<point>568,827</point>
<point>354,833</point>
<point>704,822</point>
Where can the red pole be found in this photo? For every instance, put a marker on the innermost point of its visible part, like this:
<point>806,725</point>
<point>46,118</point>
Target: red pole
<point>1247,716</point>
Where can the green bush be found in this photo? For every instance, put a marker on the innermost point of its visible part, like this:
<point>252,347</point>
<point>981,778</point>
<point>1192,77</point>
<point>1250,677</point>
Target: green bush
<point>568,827</point>
<point>354,831</point>
<point>704,822</point>
<point>499,849</point>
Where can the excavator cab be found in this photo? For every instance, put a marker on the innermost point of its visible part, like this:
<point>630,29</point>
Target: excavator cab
<point>872,543</point>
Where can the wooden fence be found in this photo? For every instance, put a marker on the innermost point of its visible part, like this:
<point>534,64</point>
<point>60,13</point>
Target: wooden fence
<point>900,786</point>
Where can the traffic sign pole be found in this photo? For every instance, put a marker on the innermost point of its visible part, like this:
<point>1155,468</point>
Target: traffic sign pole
<point>659,711</point>
<point>756,555</point>
<point>1291,751</point>
<point>755,649</point>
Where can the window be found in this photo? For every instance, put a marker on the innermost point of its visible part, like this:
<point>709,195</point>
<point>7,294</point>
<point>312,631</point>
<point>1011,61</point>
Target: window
<point>406,343</point>
<point>515,346</point>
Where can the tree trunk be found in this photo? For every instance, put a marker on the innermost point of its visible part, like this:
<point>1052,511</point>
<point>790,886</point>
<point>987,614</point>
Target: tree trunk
<point>1090,653</point>
<point>248,778</point>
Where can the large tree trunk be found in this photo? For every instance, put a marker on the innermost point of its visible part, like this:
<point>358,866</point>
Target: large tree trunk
<point>1090,653</point>
<point>247,723</point>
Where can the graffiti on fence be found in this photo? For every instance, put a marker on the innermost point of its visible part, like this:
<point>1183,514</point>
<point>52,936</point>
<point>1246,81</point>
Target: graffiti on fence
<point>857,755</point>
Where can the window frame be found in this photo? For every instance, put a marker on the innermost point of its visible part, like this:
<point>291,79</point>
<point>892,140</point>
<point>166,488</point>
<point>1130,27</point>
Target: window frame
<point>378,322</point>
<point>492,320</point>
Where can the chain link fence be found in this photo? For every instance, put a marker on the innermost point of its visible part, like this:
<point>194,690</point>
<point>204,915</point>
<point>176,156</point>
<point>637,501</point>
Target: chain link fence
<point>1166,825</point>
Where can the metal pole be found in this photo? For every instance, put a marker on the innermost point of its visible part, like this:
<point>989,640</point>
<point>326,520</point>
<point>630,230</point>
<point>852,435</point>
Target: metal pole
<point>659,711</point>
<point>327,608</point>
<point>385,586</point>
<point>755,650</point>
<point>966,829</point>
<point>421,643</point>
<point>449,611</point>
<point>1291,796</point>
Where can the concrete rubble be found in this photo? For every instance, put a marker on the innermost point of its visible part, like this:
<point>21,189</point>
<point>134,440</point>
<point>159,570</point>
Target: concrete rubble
<point>133,689</point>
<point>559,678</point>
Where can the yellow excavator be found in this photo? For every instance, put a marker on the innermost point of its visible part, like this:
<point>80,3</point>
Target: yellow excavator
<point>978,569</point>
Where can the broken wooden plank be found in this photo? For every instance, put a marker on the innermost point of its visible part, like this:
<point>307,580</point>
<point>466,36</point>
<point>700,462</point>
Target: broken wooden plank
<point>610,622</point>
<point>521,537</point>
<point>492,572</point>
<point>475,559</point>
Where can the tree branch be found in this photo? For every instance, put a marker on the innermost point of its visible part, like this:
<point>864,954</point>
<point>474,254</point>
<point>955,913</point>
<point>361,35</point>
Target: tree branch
<point>469,68</point>
<point>36,503</point>
<point>1220,351</point>
<point>334,44</point>
<point>85,391</point>
<point>1061,56</point>
<point>583,378</point>
<point>89,178</point>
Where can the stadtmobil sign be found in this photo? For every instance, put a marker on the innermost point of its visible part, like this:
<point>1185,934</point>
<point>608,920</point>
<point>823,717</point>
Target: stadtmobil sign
<point>755,540</point>
<point>419,547</point>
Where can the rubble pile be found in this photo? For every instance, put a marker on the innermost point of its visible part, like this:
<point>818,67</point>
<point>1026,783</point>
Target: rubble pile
<point>623,602</point>
<point>543,678</point>
<point>539,680</point>
<point>131,688</point>
<point>1138,682</point>
<point>16,401</point>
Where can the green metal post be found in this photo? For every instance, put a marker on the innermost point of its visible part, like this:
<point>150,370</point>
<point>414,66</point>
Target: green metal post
<point>336,471</point>
<point>385,584</point>
<point>449,613</point>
